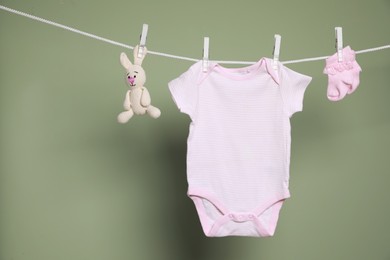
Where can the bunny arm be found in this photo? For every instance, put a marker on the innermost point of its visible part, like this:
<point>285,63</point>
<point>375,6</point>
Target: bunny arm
<point>145,98</point>
<point>126,103</point>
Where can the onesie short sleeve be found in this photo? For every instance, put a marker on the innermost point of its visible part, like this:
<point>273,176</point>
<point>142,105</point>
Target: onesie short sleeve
<point>293,86</point>
<point>184,91</point>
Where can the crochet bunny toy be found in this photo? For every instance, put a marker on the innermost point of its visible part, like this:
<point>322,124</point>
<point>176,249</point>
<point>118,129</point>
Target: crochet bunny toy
<point>137,100</point>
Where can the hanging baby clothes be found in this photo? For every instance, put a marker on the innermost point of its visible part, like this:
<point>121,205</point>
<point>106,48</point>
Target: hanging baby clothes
<point>239,143</point>
<point>343,76</point>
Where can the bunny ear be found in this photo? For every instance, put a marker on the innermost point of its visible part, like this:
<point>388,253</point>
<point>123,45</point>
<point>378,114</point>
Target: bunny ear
<point>126,63</point>
<point>138,59</point>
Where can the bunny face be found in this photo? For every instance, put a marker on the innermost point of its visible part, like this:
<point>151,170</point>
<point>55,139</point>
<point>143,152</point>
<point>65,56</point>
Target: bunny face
<point>135,76</point>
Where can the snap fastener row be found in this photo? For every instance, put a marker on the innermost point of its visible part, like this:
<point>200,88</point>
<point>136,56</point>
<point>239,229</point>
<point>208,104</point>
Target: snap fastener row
<point>241,217</point>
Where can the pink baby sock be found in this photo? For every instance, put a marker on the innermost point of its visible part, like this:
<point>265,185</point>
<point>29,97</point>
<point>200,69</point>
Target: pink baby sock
<point>343,77</point>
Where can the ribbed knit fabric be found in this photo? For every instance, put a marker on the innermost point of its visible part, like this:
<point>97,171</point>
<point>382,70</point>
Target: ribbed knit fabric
<point>239,143</point>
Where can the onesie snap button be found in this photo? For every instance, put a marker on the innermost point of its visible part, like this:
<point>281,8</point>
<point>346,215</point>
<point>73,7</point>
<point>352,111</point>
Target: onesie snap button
<point>242,218</point>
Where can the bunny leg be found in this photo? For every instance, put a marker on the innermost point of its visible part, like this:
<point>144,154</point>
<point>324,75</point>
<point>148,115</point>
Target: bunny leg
<point>125,116</point>
<point>154,112</point>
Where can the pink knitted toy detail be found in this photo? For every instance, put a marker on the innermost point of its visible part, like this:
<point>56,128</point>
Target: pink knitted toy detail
<point>343,77</point>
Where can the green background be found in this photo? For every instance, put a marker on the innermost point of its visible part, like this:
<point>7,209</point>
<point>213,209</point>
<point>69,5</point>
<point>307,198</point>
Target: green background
<point>75,184</point>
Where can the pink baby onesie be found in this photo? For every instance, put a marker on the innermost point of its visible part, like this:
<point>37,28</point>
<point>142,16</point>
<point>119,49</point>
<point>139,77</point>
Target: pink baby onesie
<point>238,149</point>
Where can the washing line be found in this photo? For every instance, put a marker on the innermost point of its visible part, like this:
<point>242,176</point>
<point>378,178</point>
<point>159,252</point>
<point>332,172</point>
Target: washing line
<point>99,38</point>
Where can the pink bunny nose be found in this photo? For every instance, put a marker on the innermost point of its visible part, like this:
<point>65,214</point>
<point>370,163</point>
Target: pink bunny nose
<point>130,79</point>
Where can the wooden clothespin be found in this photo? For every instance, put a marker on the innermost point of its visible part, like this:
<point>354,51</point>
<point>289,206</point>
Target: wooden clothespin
<point>205,62</point>
<point>276,52</point>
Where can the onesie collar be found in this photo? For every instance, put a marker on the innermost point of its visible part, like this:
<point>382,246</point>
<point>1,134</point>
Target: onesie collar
<point>231,73</point>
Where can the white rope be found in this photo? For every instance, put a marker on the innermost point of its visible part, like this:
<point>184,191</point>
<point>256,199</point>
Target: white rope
<point>172,56</point>
<point>373,49</point>
<point>42,20</point>
<point>64,27</point>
